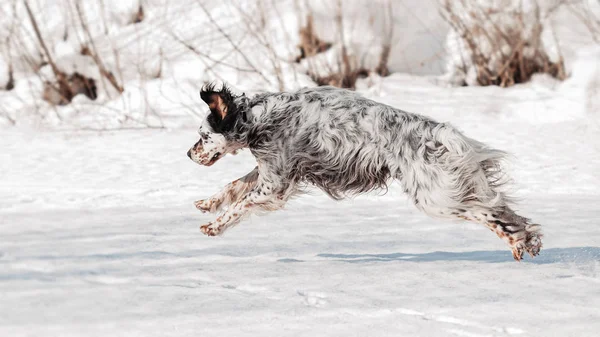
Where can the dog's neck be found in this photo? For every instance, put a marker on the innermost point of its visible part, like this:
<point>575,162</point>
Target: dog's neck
<point>247,130</point>
<point>238,137</point>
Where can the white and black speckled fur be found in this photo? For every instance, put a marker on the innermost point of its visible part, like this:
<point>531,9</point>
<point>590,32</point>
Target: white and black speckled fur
<point>346,144</point>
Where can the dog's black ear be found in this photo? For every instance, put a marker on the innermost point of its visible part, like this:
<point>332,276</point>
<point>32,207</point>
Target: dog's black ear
<point>217,101</point>
<point>224,111</point>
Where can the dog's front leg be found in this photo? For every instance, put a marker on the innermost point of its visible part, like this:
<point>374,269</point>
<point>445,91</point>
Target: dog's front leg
<point>262,197</point>
<point>234,191</point>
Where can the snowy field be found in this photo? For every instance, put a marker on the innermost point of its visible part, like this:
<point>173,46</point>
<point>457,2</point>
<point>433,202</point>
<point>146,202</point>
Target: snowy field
<point>99,235</point>
<point>100,238</point>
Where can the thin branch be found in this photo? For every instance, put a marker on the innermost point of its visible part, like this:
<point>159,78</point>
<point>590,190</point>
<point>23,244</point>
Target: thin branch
<point>94,52</point>
<point>65,89</point>
<point>207,56</point>
<point>234,45</point>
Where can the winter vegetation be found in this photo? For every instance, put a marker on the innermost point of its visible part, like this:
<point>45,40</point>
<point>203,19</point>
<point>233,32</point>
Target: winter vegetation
<point>112,64</point>
<point>99,103</point>
<point>498,43</point>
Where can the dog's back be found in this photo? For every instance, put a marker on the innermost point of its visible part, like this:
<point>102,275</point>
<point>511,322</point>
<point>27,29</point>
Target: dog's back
<point>338,140</point>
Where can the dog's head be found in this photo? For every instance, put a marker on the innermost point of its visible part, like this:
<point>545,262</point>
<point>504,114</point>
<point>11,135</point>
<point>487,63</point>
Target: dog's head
<point>217,132</point>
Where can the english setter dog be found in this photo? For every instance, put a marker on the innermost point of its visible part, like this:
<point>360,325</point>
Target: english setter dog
<point>346,144</point>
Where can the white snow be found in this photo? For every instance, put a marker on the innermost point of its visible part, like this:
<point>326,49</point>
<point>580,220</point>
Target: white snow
<point>99,235</point>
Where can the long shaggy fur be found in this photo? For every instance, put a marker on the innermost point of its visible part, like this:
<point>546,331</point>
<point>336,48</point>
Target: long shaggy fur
<point>346,144</point>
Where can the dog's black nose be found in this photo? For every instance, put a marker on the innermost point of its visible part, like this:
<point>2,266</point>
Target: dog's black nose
<point>190,153</point>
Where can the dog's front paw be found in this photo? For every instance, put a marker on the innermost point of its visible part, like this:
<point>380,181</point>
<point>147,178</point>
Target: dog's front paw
<point>206,205</point>
<point>210,229</point>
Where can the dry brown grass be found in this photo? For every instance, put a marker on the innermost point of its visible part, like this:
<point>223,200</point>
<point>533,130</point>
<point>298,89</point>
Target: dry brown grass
<point>77,84</point>
<point>342,76</point>
<point>65,86</point>
<point>504,46</point>
<point>310,43</point>
<point>345,70</point>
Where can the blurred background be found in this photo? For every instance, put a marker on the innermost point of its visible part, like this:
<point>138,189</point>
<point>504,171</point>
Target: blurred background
<point>99,103</point>
<point>106,64</point>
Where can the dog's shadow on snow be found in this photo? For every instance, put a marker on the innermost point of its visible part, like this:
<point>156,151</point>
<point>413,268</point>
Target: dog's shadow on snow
<point>550,255</point>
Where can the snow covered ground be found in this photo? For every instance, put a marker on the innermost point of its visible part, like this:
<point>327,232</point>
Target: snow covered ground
<point>99,237</point>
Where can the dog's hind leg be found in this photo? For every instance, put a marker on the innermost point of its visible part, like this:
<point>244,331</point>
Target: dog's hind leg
<point>231,193</point>
<point>453,176</point>
<point>520,235</point>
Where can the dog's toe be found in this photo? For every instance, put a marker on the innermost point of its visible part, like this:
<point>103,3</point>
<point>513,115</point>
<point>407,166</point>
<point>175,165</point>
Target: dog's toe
<point>203,205</point>
<point>209,229</point>
<point>533,243</point>
<point>517,251</point>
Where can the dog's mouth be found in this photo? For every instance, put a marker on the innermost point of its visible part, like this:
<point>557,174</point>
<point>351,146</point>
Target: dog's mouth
<point>214,159</point>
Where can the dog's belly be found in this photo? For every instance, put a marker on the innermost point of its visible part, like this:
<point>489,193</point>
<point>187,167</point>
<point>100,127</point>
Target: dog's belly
<point>340,170</point>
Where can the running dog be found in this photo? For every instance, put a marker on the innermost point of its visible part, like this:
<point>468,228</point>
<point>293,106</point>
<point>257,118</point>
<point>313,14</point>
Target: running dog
<point>346,144</point>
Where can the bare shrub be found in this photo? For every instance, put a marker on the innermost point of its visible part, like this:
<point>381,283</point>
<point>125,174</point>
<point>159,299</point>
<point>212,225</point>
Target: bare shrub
<point>271,50</point>
<point>78,84</point>
<point>342,80</point>
<point>310,43</point>
<point>5,47</point>
<point>139,15</point>
<point>10,85</point>
<point>386,48</point>
<point>343,73</point>
<point>8,81</point>
<point>344,65</point>
<point>93,52</point>
<point>497,45</point>
<point>62,87</point>
<point>256,24</point>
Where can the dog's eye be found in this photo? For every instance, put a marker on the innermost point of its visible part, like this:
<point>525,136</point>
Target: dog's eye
<point>216,155</point>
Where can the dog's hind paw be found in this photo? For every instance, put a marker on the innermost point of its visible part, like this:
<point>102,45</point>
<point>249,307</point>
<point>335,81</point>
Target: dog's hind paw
<point>532,243</point>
